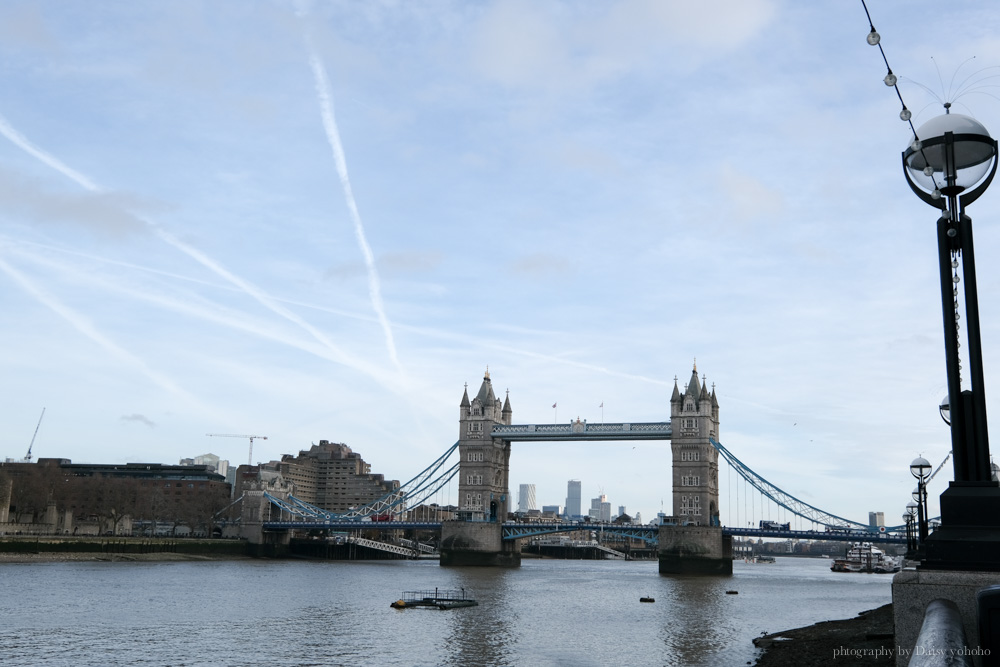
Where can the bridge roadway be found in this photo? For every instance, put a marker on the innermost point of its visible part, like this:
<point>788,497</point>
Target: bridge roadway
<point>514,530</point>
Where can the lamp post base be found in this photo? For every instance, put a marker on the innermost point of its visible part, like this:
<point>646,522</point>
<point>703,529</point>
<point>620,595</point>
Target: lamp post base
<point>969,535</point>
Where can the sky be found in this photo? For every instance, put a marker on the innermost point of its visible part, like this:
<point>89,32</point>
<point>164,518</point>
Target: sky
<point>321,220</point>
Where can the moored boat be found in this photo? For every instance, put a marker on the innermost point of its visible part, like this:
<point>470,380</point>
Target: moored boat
<point>865,557</point>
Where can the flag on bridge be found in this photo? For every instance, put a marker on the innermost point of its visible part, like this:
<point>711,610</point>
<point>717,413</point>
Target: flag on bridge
<point>554,404</point>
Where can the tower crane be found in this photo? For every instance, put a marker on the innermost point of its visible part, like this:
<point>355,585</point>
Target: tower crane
<point>27,457</point>
<point>233,435</point>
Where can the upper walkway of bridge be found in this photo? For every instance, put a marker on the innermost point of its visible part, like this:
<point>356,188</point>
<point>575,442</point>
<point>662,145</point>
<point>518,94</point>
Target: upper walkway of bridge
<point>581,430</point>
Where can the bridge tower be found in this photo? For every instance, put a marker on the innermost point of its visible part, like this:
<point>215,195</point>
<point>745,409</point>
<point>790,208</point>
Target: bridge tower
<point>694,418</point>
<point>693,543</point>
<point>476,536</point>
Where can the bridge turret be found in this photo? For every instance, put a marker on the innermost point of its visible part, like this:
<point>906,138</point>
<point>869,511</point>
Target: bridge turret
<point>694,416</point>
<point>483,476</point>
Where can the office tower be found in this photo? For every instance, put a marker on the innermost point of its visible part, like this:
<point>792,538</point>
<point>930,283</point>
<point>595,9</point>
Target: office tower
<point>526,498</point>
<point>573,506</point>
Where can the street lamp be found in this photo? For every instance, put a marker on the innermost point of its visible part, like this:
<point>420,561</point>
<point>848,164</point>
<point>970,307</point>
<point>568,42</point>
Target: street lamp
<point>921,469</point>
<point>949,164</point>
<point>911,538</point>
<point>945,410</point>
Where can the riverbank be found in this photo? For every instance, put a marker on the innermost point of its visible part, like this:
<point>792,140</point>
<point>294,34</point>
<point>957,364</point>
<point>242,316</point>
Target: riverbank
<point>161,557</point>
<point>31,549</point>
<point>866,639</point>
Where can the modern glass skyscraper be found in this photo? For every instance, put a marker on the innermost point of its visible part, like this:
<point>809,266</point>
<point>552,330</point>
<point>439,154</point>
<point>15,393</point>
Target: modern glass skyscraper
<point>526,498</point>
<point>573,507</point>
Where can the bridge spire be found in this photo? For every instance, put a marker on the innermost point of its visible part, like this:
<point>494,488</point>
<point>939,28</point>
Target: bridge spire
<point>693,387</point>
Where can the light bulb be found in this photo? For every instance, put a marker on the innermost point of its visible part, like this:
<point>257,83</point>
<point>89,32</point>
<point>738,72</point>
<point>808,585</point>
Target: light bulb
<point>873,38</point>
<point>928,171</point>
<point>890,79</point>
<point>905,114</point>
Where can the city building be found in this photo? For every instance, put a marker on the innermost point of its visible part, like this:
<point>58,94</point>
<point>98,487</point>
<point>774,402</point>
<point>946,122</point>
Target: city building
<point>214,463</point>
<point>555,510</point>
<point>333,477</point>
<point>87,498</point>
<point>600,509</point>
<point>876,519</point>
<point>574,508</point>
<point>526,498</point>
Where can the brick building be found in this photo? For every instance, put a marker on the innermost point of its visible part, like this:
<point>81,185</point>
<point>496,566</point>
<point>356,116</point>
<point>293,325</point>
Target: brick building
<point>332,476</point>
<point>110,495</point>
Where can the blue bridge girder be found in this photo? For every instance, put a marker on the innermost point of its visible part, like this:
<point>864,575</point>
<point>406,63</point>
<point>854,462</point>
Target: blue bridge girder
<point>347,526</point>
<point>583,431</point>
<point>517,531</point>
<point>649,534</point>
<point>830,536</point>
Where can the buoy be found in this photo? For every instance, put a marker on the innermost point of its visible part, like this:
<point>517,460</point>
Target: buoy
<point>646,600</point>
<point>732,592</point>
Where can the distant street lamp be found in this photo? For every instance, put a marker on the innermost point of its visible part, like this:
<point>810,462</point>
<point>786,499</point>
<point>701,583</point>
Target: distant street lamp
<point>909,517</point>
<point>921,469</point>
<point>949,164</point>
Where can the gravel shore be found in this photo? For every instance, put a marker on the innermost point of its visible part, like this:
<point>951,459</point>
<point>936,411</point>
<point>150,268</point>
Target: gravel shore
<point>866,639</point>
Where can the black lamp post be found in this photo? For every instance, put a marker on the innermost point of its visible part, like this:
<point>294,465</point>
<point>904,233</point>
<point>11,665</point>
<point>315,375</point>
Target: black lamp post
<point>949,164</point>
<point>921,469</point>
<point>911,539</point>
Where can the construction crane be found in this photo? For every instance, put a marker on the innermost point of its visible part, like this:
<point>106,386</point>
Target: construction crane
<point>27,457</point>
<point>233,435</point>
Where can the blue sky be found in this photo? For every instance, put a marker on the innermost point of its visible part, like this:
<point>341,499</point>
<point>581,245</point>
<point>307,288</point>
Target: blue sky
<point>320,220</point>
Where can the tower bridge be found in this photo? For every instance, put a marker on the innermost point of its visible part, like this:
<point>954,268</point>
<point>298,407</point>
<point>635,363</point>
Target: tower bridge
<point>692,541</point>
<point>486,432</point>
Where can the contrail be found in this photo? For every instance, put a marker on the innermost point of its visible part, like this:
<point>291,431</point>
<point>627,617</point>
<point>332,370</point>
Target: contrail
<point>333,136</point>
<point>204,310</point>
<point>22,142</point>
<point>217,316</point>
<point>81,324</point>
<point>261,297</point>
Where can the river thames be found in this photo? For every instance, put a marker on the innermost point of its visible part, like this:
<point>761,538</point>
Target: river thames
<point>547,612</point>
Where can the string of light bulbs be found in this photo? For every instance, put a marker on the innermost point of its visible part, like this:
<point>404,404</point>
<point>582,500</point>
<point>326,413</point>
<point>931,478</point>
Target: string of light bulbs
<point>874,39</point>
<point>890,80</point>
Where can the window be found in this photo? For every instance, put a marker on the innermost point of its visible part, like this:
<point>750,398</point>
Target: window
<point>690,456</point>
<point>691,480</point>
<point>473,501</point>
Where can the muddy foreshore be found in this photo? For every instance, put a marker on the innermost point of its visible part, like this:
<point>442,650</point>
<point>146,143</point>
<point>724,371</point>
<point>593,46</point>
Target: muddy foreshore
<point>866,639</point>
